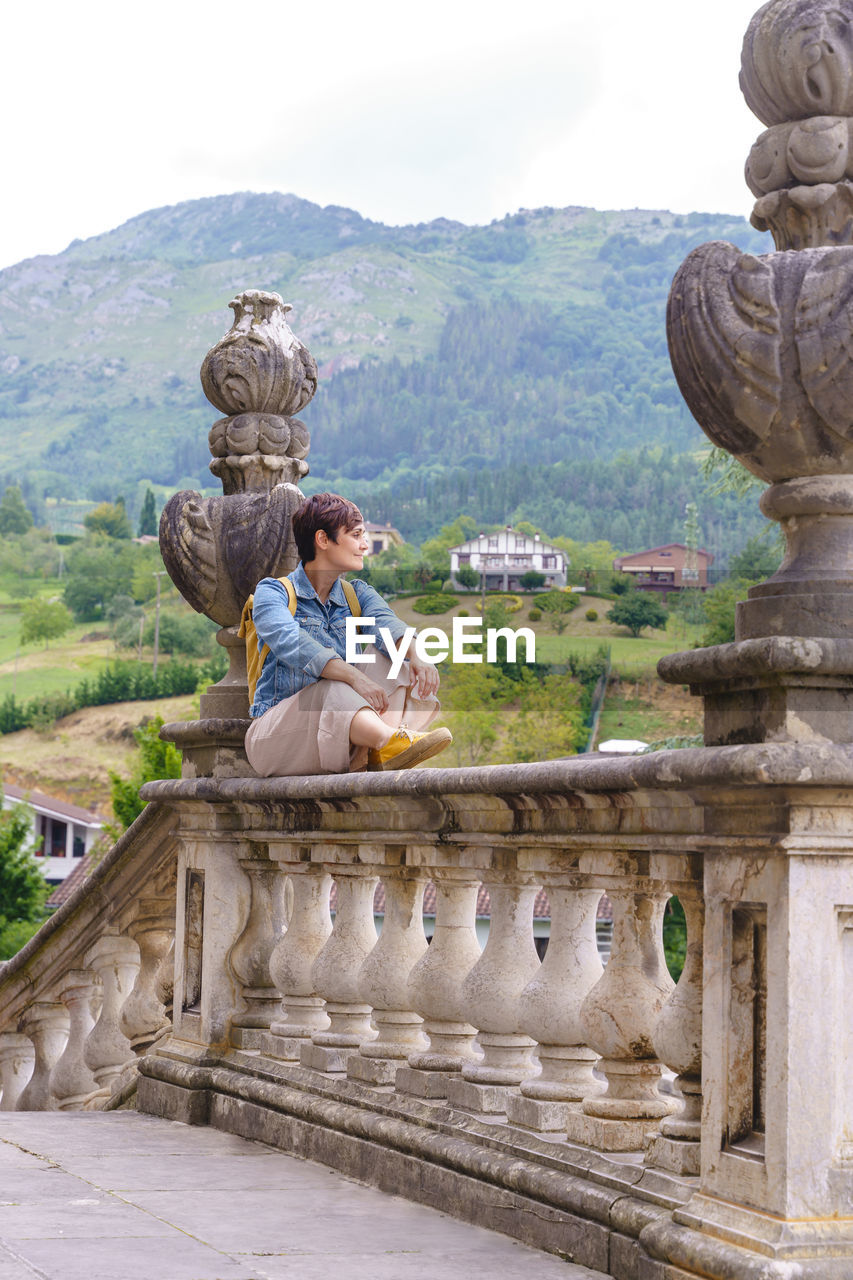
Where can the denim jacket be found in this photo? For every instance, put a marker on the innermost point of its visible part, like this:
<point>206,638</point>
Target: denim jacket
<point>302,643</point>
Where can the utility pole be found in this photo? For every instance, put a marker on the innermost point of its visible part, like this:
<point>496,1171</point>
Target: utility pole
<point>158,573</point>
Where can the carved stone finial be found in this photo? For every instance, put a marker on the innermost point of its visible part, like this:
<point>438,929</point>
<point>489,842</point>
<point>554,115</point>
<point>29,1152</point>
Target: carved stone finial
<point>260,374</point>
<point>797,60</point>
<point>217,549</point>
<point>762,347</point>
<point>797,76</point>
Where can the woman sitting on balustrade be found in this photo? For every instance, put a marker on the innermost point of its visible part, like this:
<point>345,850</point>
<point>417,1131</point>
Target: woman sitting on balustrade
<point>313,712</point>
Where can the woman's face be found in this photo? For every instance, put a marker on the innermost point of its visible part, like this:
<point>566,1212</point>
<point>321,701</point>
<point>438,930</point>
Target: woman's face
<point>348,550</point>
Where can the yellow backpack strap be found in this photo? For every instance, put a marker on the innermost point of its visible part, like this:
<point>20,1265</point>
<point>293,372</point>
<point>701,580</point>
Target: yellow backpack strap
<point>291,594</point>
<point>255,657</point>
<point>352,598</point>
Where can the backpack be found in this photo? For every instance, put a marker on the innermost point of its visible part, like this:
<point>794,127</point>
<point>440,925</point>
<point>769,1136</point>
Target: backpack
<point>256,658</point>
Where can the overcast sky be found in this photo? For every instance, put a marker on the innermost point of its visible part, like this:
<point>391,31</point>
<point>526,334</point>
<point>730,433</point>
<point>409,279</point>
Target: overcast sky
<point>466,109</point>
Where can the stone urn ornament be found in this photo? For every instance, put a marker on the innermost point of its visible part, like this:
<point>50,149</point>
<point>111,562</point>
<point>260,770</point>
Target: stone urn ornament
<point>762,346</point>
<point>260,375</point>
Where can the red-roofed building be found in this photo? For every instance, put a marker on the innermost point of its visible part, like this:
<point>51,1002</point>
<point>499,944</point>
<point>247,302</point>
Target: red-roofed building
<point>666,568</point>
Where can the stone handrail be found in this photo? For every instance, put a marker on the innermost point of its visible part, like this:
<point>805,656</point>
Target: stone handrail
<point>89,992</point>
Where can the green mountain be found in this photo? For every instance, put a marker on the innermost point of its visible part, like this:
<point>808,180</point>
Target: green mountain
<point>512,371</point>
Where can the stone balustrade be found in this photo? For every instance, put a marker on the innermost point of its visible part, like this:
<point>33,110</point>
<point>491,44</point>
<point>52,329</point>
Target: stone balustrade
<point>582,1097</point>
<point>79,1003</point>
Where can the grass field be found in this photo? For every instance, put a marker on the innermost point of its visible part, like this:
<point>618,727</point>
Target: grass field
<point>28,670</point>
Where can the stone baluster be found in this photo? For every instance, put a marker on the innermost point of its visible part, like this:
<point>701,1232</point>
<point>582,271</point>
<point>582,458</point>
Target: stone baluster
<point>115,959</point>
<point>250,956</point>
<point>550,1007</point>
<point>16,1067</point>
<point>308,930</point>
<point>619,1017</point>
<point>335,973</point>
<point>435,988</point>
<point>143,1017</point>
<point>678,1043</point>
<point>71,1080</point>
<point>384,980</point>
<point>45,1023</point>
<point>491,994</point>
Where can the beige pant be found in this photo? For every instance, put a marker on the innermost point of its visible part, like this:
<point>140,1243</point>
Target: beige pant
<point>309,732</point>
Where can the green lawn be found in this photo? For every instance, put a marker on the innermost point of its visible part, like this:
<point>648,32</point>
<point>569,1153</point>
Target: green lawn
<point>28,670</point>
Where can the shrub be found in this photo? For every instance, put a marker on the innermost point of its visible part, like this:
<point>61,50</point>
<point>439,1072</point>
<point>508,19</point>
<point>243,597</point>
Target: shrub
<point>467,577</point>
<point>512,604</point>
<point>437,602</point>
<point>557,601</point>
<point>591,615</point>
<point>534,615</point>
<point>463,613</point>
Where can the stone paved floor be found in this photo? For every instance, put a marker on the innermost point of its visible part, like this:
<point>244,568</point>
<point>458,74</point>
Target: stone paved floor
<point>121,1196</point>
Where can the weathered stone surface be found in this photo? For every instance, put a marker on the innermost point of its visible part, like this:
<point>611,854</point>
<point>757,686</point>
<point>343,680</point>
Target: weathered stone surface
<point>760,349</point>
<point>801,152</point>
<point>260,366</point>
<point>797,60</point>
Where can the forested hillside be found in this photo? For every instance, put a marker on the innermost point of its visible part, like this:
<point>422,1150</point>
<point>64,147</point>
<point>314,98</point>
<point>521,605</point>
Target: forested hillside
<point>516,371</point>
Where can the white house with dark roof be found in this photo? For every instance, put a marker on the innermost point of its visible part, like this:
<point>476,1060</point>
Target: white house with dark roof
<point>61,833</point>
<point>506,556</point>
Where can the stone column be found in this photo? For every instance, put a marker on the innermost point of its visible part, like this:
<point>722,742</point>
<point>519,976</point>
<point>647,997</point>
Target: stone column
<point>115,959</point>
<point>71,1082</point>
<point>16,1067</point>
<point>550,1007</point>
<point>678,1043</point>
<point>309,927</point>
<point>250,957</point>
<point>45,1023</point>
<point>619,1017</point>
<point>384,980</point>
<point>143,1016</point>
<point>491,993</point>
<point>335,973</point>
<point>435,988</point>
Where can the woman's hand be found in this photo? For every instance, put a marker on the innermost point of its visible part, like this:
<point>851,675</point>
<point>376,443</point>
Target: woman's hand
<point>372,694</point>
<point>425,677</point>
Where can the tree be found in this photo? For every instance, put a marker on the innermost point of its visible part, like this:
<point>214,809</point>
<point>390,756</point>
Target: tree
<point>436,551</point>
<point>472,697</point>
<point>109,519</point>
<point>467,577</point>
<point>636,611</point>
<point>15,516</point>
<point>550,722</point>
<point>719,607</point>
<point>157,759</point>
<point>148,516</point>
<point>98,570</point>
<point>23,889</point>
<point>530,580</point>
<point>758,559</point>
<point>44,620</point>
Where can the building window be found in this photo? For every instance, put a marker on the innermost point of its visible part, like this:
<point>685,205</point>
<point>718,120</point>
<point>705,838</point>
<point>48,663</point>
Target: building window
<point>377,547</point>
<point>78,847</point>
<point>549,562</point>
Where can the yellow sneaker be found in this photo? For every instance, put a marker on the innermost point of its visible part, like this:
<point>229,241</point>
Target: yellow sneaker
<point>405,749</point>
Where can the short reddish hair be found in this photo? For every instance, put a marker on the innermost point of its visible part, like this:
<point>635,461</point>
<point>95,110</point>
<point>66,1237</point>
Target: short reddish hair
<point>327,511</point>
